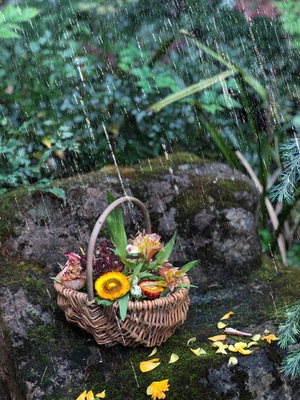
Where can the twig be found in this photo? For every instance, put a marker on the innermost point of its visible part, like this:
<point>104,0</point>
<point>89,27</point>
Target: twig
<point>269,206</point>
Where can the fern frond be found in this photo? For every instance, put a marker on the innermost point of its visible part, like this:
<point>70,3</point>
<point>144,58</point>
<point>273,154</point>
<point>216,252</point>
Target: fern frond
<point>291,365</point>
<point>290,175</point>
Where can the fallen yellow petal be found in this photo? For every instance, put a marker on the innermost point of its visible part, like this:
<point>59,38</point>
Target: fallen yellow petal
<point>217,338</point>
<point>221,325</point>
<point>228,315</point>
<point>191,340</point>
<point>256,337</point>
<point>232,348</point>
<point>252,344</point>
<point>198,351</point>
<point>269,338</point>
<point>221,350</point>
<point>90,395</point>
<point>82,396</point>
<point>146,366</point>
<point>174,357</point>
<point>232,361</point>
<point>241,348</point>
<point>153,352</point>
<point>101,395</point>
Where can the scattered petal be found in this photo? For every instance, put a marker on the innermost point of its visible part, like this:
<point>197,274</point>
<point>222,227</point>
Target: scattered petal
<point>174,357</point>
<point>90,395</point>
<point>269,338</point>
<point>82,396</point>
<point>221,347</point>
<point>191,340</point>
<point>221,350</point>
<point>198,351</point>
<point>101,395</point>
<point>252,344</point>
<point>240,347</point>
<point>232,361</point>
<point>218,343</point>
<point>157,389</point>
<point>228,315</point>
<point>146,366</point>
<point>256,337</point>
<point>221,325</point>
<point>233,331</point>
<point>217,338</point>
<point>153,352</point>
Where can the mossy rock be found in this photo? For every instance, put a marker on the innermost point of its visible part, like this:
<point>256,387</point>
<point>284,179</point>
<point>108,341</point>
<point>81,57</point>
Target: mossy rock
<point>52,359</point>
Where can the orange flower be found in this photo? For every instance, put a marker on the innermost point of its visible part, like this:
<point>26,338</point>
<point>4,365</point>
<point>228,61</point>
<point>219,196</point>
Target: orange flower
<point>112,285</point>
<point>157,389</point>
<point>147,244</point>
<point>152,289</point>
<point>173,276</point>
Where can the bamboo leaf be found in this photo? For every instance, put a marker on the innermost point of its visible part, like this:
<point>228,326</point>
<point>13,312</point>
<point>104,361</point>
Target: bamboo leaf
<point>198,87</point>
<point>254,83</point>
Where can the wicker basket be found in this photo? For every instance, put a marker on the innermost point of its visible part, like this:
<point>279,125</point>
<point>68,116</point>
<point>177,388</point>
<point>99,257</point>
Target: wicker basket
<point>148,322</point>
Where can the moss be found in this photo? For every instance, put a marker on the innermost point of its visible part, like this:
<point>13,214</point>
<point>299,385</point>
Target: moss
<point>185,376</point>
<point>207,193</point>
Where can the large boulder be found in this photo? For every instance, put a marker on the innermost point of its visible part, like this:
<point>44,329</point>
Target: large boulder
<point>212,207</point>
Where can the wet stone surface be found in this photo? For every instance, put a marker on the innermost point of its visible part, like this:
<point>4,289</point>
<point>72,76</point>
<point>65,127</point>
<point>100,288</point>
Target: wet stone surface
<point>47,358</point>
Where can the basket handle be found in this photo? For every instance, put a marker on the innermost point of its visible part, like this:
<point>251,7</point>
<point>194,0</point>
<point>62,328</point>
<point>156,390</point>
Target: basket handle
<point>99,223</point>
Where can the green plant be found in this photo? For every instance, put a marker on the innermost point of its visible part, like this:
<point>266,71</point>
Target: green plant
<point>10,18</point>
<point>289,335</point>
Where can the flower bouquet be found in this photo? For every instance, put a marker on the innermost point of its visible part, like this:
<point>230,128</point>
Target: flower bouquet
<point>126,291</point>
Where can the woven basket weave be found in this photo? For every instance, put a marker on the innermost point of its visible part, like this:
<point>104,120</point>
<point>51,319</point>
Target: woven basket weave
<point>148,322</point>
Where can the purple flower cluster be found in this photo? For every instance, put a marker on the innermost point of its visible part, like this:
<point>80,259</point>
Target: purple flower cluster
<point>106,260</point>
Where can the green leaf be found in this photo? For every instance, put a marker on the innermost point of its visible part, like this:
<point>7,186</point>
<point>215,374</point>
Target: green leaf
<point>136,271</point>
<point>187,267</point>
<point>103,302</point>
<point>123,305</point>
<point>115,225</point>
<point>166,252</point>
<point>6,33</point>
<point>58,192</point>
<point>17,14</point>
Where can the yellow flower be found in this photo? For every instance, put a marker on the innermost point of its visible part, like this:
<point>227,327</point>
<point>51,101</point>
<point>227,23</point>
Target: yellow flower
<point>112,285</point>
<point>157,389</point>
<point>146,366</point>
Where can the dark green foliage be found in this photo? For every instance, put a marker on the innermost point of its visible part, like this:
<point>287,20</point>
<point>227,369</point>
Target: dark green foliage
<point>130,56</point>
